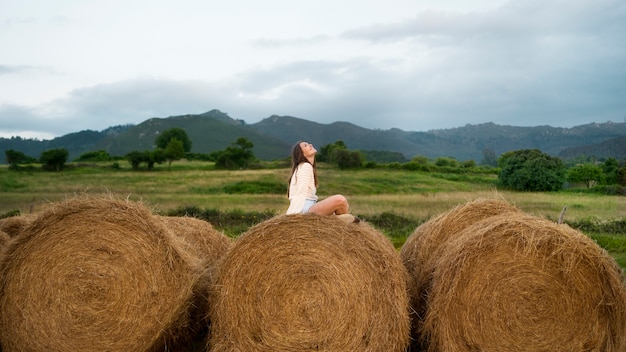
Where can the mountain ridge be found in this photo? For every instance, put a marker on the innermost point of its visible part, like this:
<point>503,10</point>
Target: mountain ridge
<point>273,137</point>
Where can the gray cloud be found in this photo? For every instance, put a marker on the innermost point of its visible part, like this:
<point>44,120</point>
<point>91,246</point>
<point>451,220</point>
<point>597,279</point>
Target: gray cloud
<point>517,19</point>
<point>526,63</point>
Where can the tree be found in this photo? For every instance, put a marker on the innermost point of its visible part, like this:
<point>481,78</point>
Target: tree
<point>136,158</point>
<point>54,159</point>
<point>446,162</point>
<point>174,151</point>
<point>347,159</point>
<point>489,158</point>
<point>155,156</point>
<point>589,174</point>
<point>531,170</point>
<point>421,160</point>
<point>15,157</point>
<point>166,136</point>
<point>328,152</point>
<point>99,155</point>
<point>468,164</point>
<point>621,176</point>
<point>236,156</point>
<point>610,167</point>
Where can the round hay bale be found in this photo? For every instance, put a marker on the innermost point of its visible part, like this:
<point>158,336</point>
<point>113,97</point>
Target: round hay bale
<point>423,248</point>
<point>199,238</point>
<point>310,283</point>
<point>14,225</point>
<point>95,273</point>
<point>516,281</point>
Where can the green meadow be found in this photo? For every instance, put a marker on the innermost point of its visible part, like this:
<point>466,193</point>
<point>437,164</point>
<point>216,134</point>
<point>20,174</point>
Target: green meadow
<point>395,201</point>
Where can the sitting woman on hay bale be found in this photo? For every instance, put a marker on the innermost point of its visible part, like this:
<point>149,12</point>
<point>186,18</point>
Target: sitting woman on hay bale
<point>303,187</point>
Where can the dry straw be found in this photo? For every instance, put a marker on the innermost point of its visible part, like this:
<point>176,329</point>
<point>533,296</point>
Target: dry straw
<point>198,237</point>
<point>4,239</point>
<point>425,245</point>
<point>517,282</point>
<point>14,225</point>
<point>95,274</point>
<point>310,283</point>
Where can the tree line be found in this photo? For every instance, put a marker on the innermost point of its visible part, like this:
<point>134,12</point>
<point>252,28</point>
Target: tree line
<point>520,170</point>
<point>171,145</point>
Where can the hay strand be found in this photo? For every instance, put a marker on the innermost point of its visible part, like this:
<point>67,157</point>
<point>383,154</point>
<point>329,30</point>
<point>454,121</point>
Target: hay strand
<point>14,225</point>
<point>4,239</point>
<point>310,283</point>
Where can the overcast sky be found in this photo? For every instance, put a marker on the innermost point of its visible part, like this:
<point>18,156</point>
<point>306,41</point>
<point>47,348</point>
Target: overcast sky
<point>417,65</point>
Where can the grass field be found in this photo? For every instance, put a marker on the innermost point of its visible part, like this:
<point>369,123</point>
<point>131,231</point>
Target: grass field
<point>395,200</point>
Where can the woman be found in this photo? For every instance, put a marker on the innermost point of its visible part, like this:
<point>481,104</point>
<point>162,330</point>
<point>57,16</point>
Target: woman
<point>303,187</point>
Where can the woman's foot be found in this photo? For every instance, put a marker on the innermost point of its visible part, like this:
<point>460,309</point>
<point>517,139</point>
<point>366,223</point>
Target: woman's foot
<point>349,218</point>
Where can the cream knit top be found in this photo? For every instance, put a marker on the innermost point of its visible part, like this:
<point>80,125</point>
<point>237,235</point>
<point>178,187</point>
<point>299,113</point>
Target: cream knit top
<point>301,188</point>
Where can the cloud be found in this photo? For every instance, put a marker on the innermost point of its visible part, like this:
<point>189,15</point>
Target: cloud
<point>524,63</point>
<point>273,43</point>
<point>21,121</point>
<point>24,69</point>
<point>515,19</point>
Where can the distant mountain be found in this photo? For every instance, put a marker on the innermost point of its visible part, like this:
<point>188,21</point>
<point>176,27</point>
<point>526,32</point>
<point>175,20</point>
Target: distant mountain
<point>614,147</point>
<point>208,132</point>
<point>461,143</point>
<point>273,137</point>
<point>291,130</point>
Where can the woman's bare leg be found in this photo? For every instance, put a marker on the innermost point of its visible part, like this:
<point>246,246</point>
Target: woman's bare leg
<point>336,204</point>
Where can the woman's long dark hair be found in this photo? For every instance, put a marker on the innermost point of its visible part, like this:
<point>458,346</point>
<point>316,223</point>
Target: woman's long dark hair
<point>297,157</point>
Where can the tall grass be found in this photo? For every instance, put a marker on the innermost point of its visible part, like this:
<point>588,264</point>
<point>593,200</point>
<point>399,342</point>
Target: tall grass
<point>371,192</point>
<point>394,200</point>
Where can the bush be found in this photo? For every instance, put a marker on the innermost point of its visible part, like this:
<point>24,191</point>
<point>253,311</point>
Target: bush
<point>99,155</point>
<point>15,157</point>
<point>54,159</point>
<point>595,225</point>
<point>346,159</point>
<point>237,156</point>
<point>531,170</point>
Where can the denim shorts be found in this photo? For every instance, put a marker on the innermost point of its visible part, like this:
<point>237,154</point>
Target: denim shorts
<point>307,205</point>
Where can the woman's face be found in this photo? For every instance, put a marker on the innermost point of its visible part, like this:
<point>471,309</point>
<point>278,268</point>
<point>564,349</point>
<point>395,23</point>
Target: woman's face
<point>307,149</point>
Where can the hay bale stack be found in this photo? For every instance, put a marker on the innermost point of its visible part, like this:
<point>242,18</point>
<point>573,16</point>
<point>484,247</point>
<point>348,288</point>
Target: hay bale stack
<point>14,225</point>
<point>424,246</point>
<point>95,273</point>
<point>515,281</point>
<point>310,283</point>
<point>198,237</point>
